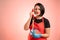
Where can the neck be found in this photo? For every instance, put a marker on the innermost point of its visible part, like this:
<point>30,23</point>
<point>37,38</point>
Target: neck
<point>39,17</point>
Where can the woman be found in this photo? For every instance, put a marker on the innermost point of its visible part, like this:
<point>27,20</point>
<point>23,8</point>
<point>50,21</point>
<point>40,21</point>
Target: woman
<point>39,26</point>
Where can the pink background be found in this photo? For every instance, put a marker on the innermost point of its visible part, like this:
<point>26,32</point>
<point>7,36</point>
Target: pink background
<point>15,13</point>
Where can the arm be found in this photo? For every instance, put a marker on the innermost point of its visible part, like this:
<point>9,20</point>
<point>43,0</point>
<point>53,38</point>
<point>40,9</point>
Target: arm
<point>47,28</point>
<point>47,32</point>
<point>38,35</point>
<point>26,26</point>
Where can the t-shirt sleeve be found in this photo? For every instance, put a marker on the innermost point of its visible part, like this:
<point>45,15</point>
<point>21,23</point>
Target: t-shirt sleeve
<point>47,23</point>
<point>31,22</point>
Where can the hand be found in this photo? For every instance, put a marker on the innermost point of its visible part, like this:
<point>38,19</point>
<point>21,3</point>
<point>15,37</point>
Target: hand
<point>34,34</point>
<point>31,13</point>
<point>35,31</point>
<point>37,35</point>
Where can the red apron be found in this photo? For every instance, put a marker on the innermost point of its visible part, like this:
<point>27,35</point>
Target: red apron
<point>40,27</point>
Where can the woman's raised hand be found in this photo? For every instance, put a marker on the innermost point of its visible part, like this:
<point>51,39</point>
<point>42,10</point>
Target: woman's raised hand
<point>31,13</point>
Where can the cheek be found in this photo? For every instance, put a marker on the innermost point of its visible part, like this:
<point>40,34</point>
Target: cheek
<point>38,12</point>
<point>34,10</point>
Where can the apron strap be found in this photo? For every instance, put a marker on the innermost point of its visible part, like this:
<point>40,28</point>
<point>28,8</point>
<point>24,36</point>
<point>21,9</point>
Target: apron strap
<point>43,19</point>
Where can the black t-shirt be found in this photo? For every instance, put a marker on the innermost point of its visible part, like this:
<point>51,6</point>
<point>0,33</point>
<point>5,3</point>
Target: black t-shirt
<point>46,22</point>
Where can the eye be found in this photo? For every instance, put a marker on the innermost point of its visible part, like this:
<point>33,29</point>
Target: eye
<point>35,8</point>
<point>39,9</point>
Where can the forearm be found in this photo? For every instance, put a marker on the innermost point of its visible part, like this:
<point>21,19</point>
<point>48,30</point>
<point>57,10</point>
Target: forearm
<point>26,26</point>
<point>45,35</point>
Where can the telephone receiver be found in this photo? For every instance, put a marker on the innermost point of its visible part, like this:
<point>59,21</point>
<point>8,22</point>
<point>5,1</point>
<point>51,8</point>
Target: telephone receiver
<point>33,15</point>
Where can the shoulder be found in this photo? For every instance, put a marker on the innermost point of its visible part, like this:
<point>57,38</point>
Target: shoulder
<point>45,19</point>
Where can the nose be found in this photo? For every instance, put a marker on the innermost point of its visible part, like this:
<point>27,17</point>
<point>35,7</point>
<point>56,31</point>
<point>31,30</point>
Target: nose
<point>37,11</point>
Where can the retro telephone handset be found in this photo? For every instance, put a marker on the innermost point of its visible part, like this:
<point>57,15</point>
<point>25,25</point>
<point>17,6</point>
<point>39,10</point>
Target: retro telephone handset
<point>33,31</point>
<point>33,15</point>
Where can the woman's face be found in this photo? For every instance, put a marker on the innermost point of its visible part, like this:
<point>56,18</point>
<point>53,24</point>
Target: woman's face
<point>37,10</point>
